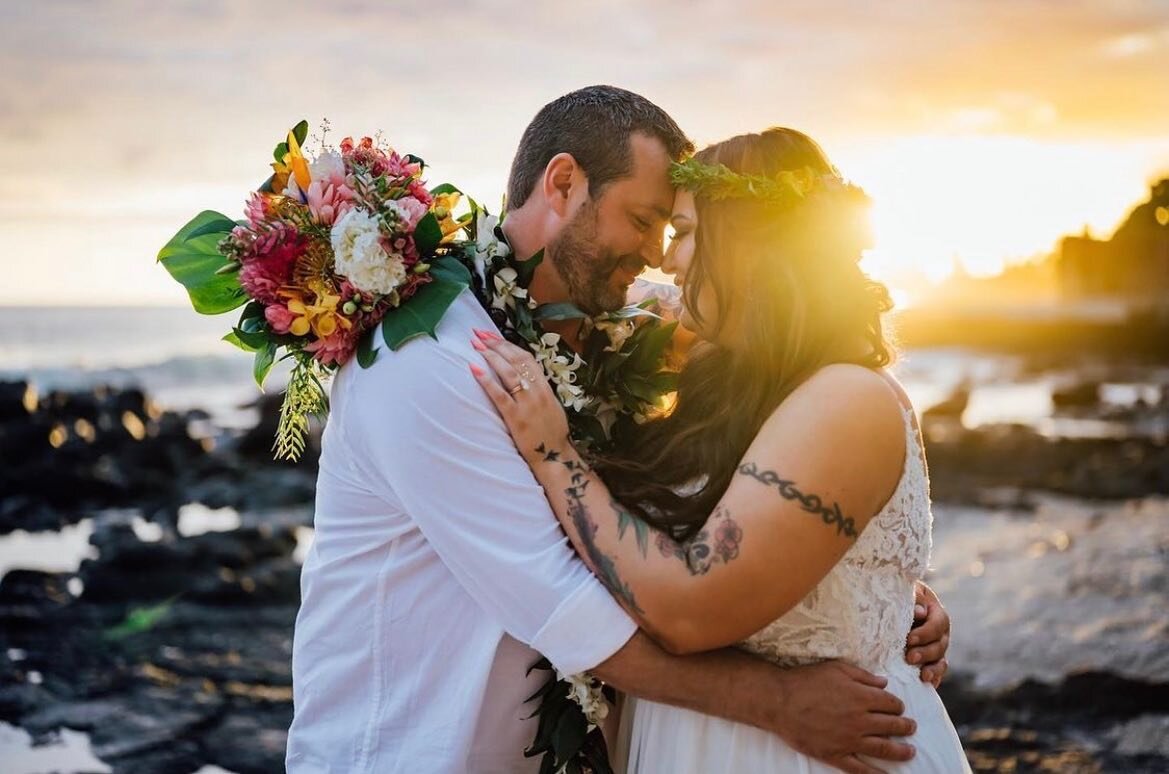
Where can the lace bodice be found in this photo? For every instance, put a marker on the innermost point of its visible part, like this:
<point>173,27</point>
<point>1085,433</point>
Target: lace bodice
<point>862,610</point>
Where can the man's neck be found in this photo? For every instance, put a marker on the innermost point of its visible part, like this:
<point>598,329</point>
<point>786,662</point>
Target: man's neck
<point>546,286</point>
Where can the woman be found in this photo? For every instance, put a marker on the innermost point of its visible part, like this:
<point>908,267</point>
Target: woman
<point>783,503</point>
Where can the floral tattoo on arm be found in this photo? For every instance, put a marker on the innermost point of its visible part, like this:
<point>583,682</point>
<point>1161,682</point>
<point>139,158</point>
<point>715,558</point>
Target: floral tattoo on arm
<point>717,543</point>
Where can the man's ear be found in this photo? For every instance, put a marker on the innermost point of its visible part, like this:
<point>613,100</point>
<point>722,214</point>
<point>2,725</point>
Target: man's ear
<point>560,177</point>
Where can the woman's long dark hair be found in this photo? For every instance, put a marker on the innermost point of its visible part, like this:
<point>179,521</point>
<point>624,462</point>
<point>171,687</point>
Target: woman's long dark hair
<point>789,286</point>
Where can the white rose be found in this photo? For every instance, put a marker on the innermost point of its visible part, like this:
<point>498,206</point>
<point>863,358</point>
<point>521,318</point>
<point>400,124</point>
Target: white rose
<point>360,256</point>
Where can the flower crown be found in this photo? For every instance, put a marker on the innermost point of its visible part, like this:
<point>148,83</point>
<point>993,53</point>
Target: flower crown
<point>787,189</point>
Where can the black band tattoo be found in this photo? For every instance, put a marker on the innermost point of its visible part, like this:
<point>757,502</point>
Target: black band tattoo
<point>718,542</point>
<point>582,521</point>
<point>829,514</point>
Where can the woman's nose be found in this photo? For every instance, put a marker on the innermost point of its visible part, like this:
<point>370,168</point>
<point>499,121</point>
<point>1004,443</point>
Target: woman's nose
<point>669,260</point>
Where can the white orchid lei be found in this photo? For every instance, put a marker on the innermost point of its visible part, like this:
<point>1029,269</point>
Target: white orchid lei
<point>617,378</point>
<point>615,381</point>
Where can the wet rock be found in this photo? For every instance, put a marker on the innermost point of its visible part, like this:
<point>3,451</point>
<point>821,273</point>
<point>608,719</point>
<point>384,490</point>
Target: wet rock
<point>17,400</point>
<point>250,565</point>
<point>964,463</point>
<point>1067,588</point>
<point>1147,735</point>
<point>952,407</point>
<point>1079,395</point>
<point>248,744</point>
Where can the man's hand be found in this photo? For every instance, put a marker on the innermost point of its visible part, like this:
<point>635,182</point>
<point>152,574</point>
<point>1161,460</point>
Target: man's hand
<point>930,637</point>
<point>835,712</point>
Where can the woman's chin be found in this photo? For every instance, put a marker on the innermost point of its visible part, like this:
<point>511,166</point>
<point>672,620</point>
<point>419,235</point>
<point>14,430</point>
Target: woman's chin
<point>689,323</point>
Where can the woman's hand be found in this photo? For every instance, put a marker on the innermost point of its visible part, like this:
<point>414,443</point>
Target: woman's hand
<point>530,409</point>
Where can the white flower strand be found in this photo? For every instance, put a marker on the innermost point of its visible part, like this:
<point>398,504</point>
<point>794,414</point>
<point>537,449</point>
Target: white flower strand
<point>586,691</point>
<point>560,371</point>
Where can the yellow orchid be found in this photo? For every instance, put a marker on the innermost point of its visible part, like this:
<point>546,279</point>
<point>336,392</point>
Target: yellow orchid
<point>294,165</point>
<point>320,316</point>
<point>444,210</point>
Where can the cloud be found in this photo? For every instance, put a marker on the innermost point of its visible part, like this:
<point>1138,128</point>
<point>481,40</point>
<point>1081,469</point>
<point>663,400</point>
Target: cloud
<point>139,108</point>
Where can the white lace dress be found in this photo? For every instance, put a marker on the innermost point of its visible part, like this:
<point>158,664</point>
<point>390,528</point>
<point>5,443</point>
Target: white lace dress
<point>861,612</point>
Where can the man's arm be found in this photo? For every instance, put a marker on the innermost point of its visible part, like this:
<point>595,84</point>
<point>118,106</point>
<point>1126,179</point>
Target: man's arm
<point>831,711</point>
<point>426,436</point>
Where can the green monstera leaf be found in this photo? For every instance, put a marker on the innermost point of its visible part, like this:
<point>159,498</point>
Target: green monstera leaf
<point>192,257</point>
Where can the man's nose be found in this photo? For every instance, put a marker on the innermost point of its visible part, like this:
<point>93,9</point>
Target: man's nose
<point>651,253</point>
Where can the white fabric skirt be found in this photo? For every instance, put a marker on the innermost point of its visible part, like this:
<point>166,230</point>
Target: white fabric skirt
<point>659,739</point>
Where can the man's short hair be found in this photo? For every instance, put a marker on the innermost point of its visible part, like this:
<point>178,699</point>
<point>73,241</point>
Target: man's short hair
<point>594,124</point>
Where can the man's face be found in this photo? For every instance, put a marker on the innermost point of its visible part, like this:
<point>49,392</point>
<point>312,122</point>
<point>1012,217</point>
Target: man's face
<point>615,235</point>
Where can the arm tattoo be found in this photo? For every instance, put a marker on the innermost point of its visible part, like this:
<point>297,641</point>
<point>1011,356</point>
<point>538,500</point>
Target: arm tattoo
<point>625,519</point>
<point>698,553</point>
<point>582,521</point>
<point>829,514</point>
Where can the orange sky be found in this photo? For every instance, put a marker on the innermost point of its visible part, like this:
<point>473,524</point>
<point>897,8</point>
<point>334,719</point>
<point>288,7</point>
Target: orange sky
<point>984,130</point>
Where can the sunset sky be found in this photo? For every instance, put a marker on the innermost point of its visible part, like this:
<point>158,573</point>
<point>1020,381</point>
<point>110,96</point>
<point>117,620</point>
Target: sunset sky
<point>984,130</point>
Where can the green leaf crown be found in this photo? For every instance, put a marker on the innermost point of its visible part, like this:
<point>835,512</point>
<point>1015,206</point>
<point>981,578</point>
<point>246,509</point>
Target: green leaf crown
<point>787,189</point>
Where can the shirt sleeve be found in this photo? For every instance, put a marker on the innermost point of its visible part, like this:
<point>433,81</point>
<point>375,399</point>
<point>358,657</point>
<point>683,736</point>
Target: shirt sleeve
<point>428,437</point>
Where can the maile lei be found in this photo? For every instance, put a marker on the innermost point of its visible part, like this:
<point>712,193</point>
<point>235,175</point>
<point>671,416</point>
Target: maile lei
<point>614,381</point>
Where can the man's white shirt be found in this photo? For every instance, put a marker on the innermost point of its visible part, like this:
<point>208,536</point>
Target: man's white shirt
<point>437,572</point>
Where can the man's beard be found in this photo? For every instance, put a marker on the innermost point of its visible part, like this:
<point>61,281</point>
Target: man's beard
<point>579,261</point>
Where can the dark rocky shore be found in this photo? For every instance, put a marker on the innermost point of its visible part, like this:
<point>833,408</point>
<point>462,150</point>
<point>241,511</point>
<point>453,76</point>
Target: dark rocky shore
<point>172,652</point>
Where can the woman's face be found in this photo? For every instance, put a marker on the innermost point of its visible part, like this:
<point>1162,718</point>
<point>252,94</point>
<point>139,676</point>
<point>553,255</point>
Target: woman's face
<point>679,257</point>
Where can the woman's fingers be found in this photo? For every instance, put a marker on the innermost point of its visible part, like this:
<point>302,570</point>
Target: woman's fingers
<point>503,402</point>
<point>517,356</point>
<point>502,367</point>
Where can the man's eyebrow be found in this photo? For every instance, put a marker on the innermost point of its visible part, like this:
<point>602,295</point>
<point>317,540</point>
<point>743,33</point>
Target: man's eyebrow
<point>663,212</point>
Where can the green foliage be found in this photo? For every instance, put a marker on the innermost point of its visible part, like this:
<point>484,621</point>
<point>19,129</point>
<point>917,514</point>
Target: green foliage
<point>525,270</point>
<point>192,257</point>
<point>304,397</point>
<point>421,314</point>
<point>451,270</point>
<point>139,619</point>
<point>717,182</point>
<point>265,357</point>
<point>561,311</point>
<point>563,740</point>
<point>300,132</point>
<point>427,234</point>
<point>366,354</point>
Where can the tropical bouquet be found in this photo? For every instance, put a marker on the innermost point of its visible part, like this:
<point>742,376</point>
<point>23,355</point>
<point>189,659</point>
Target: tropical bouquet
<point>330,246</point>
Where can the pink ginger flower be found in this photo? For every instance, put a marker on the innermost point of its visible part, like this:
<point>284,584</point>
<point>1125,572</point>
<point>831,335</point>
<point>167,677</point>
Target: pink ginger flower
<point>256,209</point>
<point>329,201</point>
<point>336,348</point>
<point>274,254</point>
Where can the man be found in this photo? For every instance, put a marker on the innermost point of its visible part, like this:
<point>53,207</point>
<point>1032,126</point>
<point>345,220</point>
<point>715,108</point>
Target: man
<point>439,573</point>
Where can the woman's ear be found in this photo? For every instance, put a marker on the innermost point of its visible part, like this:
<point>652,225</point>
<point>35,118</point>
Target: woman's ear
<point>561,176</point>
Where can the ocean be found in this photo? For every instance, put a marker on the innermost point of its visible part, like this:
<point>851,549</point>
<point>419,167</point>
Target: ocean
<point>179,359</point>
